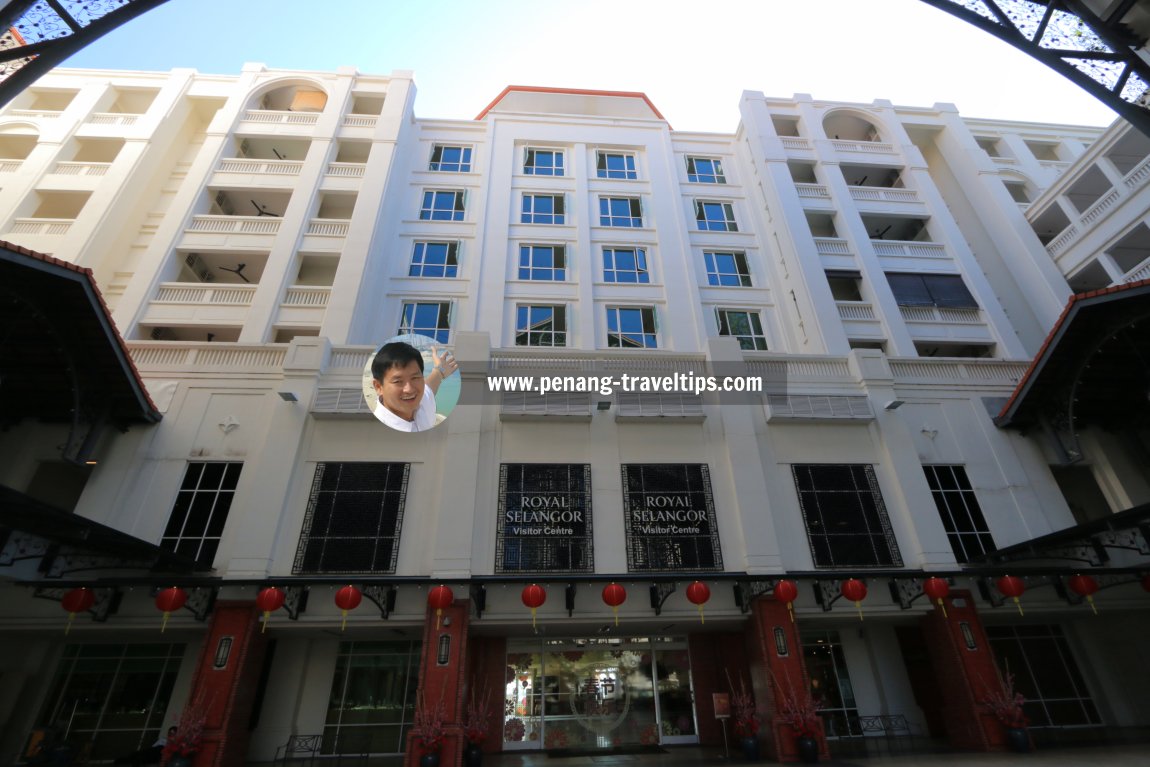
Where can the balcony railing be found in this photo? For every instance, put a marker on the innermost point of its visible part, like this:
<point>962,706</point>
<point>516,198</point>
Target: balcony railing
<point>794,142</point>
<point>832,246</point>
<point>235,224</point>
<point>813,191</point>
<point>1059,243</point>
<point>346,169</point>
<point>42,225</point>
<point>10,166</point>
<point>1097,209</point>
<point>270,167</point>
<point>910,249</point>
<point>943,314</point>
<point>855,310</point>
<point>328,227</point>
<point>360,121</point>
<point>1004,160</point>
<point>217,295</point>
<point>275,117</point>
<point>870,147</point>
<point>883,194</point>
<point>81,168</point>
<point>307,295</point>
<point>43,114</point>
<point>112,118</point>
<point>1138,176</point>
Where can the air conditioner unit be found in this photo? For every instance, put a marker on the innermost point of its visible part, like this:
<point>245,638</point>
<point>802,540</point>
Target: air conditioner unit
<point>199,268</point>
<point>223,204</point>
<point>245,149</point>
<point>163,334</point>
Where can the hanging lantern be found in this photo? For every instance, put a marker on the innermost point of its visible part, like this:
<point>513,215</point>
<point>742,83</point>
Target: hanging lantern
<point>77,601</point>
<point>937,589</point>
<point>855,591</point>
<point>697,594</point>
<point>347,598</point>
<point>614,595</point>
<point>1084,586</point>
<point>269,600</point>
<point>533,596</point>
<point>787,591</point>
<point>168,601</point>
<point>439,598</point>
<point>1012,586</point>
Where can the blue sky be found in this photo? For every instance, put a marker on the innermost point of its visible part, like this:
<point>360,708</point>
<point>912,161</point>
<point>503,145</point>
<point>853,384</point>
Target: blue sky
<point>692,59</point>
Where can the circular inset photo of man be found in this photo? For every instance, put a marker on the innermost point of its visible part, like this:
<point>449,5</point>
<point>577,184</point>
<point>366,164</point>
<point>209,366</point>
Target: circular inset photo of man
<point>411,383</point>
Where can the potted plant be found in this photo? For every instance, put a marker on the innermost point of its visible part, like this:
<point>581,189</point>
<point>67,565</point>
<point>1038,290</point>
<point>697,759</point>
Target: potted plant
<point>746,722</point>
<point>185,744</point>
<point>1005,704</point>
<point>801,714</point>
<point>476,725</point>
<point>427,730</point>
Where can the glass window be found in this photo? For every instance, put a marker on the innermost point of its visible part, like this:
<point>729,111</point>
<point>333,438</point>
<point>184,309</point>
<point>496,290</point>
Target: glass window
<point>1045,673</point>
<point>201,509</point>
<point>442,205</point>
<point>565,546</point>
<point>615,165</point>
<point>540,326</point>
<point>353,519</point>
<point>669,514</point>
<point>631,327</point>
<point>943,290</point>
<point>454,159</point>
<point>434,259</point>
<point>745,326</point>
<point>546,263</point>
<point>625,265</point>
<point>705,170</point>
<point>715,216</point>
<point>847,524</point>
<point>831,683</point>
<point>960,513</point>
<point>620,211</point>
<point>372,702</point>
<point>432,318</point>
<point>543,162</point>
<point>728,269</point>
<point>542,209</point>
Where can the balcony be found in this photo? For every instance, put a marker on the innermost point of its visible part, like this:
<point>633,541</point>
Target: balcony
<point>325,235</point>
<point>360,121</point>
<point>41,226</point>
<point>344,176</point>
<point>278,122</point>
<point>859,320</point>
<point>814,196</point>
<point>795,143</point>
<point>81,168</point>
<point>69,176</point>
<point>862,147</point>
<point>242,232</point>
<point>184,303</point>
<point>901,255</point>
<point>110,118</point>
<point>35,114</point>
<point>835,253</point>
<point>10,166</point>
<point>245,172</point>
<point>885,197</point>
<point>304,305</point>
<point>936,323</point>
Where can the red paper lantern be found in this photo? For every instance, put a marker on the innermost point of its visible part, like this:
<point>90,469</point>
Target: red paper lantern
<point>787,592</point>
<point>77,601</point>
<point>697,594</point>
<point>1012,586</point>
<point>168,601</point>
<point>533,596</point>
<point>854,590</point>
<point>614,595</point>
<point>347,598</point>
<point>937,589</point>
<point>268,601</point>
<point>439,598</point>
<point>1084,586</point>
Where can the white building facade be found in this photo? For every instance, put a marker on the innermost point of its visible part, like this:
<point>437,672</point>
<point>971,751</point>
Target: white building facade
<point>890,272</point>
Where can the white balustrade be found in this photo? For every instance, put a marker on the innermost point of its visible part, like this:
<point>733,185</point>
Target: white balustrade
<point>883,194</point>
<point>10,166</point>
<point>1138,176</point>
<point>1004,160</point>
<point>346,169</point>
<point>793,142</point>
<point>330,227</point>
<point>235,224</point>
<point>832,246</point>
<point>42,225</point>
<point>1059,243</point>
<point>360,121</point>
<point>1097,209</point>
<point>909,248</point>
<point>112,118</point>
<point>82,168</point>
<point>219,295</point>
<point>307,295</point>
<point>855,310</point>
<point>870,147</point>
<point>271,167</point>
<point>941,314</point>
<point>1138,273</point>
<point>813,191</point>
<point>43,114</point>
<point>280,117</point>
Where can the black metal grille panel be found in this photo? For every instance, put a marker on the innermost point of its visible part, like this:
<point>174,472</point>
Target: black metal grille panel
<point>669,514</point>
<point>544,518</point>
<point>354,517</point>
<point>847,523</point>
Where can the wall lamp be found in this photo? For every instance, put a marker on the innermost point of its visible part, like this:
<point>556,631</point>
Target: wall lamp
<point>604,404</point>
<point>288,396</point>
<point>894,404</point>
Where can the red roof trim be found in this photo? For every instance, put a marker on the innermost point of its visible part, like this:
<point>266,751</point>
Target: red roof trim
<point>91,280</point>
<point>571,91</point>
<point>1055,333</point>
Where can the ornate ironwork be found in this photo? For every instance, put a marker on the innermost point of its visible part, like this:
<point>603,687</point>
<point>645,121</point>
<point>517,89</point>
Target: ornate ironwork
<point>1098,54</point>
<point>1135,538</point>
<point>59,561</point>
<point>747,591</point>
<point>659,594</point>
<point>107,600</point>
<point>49,31</point>
<point>382,597</point>
<point>478,598</point>
<point>295,600</point>
<point>20,545</point>
<point>200,600</point>
<point>826,592</point>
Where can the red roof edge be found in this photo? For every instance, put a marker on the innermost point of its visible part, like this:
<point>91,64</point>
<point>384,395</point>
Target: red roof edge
<point>572,91</point>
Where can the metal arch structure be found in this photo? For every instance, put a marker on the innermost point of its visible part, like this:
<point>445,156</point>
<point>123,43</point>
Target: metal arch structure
<point>37,35</point>
<point>1099,52</point>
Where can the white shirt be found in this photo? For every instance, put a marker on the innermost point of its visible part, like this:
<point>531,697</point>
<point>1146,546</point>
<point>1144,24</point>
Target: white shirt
<point>424,416</point>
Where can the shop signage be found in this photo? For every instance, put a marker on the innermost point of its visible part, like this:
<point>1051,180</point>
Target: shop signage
<point>670,517</point>
<point>544,518</point>
<point>722,704</point>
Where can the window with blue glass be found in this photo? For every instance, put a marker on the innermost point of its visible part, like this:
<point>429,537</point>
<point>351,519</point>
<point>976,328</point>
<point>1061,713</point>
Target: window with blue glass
<point>450,159</point>
<point>540,326</point>
<point>442,205</point>
<point>715,216</point>
<point>544,263</point>
<point>543,209</point>
<point>430,318</point>
<point>620,211</point>
<point>434,259</point>
<point>543,162</point>
<point>615,165</point>
<point>631,327</point>
<point>625,265</point>
<point>744,326</point>
<point>727,269</point>
<point>705,170</point>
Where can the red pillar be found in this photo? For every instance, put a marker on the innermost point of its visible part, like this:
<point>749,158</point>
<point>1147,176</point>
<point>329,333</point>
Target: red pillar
<point>227,693</point>
<point>487,678</point>
<point>965,673</point>
<point>714,657</point>
<point>776,675</point>
<point>444,681</point>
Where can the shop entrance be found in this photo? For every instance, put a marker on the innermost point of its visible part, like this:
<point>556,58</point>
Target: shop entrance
<point>588,694</point>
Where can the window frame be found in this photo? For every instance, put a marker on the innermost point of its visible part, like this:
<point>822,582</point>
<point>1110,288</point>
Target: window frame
<point>442,333</point>
<point>457,212</point>
<point>960,497</point>
<point>558,253</point>
<point>558,214</point>
<point>754,338</point>
<point>642,266</point>
<point>715,276</point>
<point>646,312</point>
<point>629,171</point>
<point>608,218</point>
<point>822,553</point>
<point>694,176</point>
<point>707,224</point>
<point>463,165</point>
<point>530,168</point>
<point>208,545</point>
<point>558,317</point>
<point>451,255</point>
<point>906,293</point>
